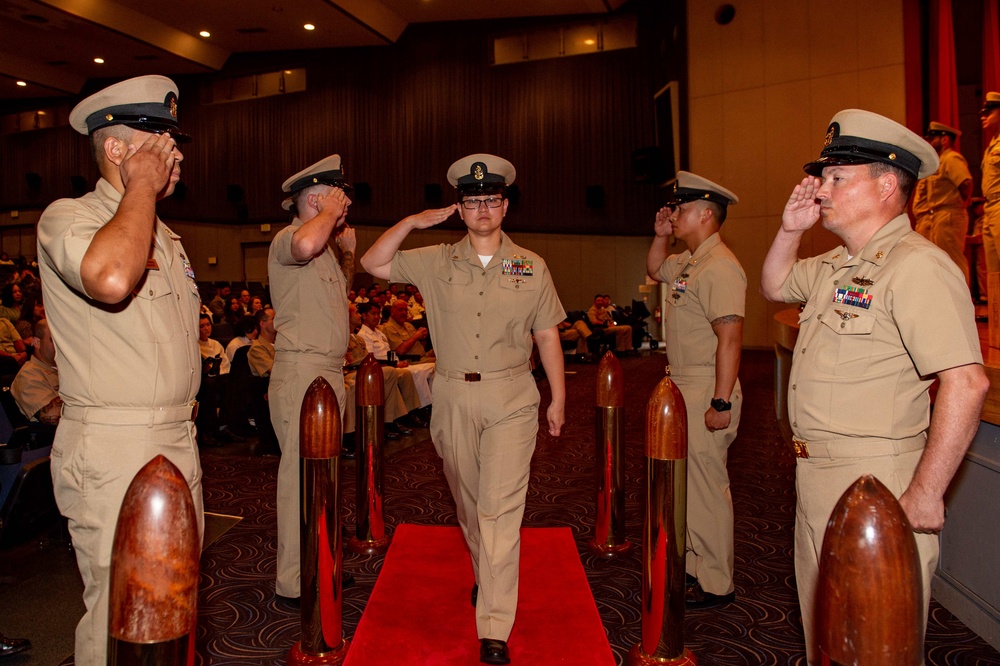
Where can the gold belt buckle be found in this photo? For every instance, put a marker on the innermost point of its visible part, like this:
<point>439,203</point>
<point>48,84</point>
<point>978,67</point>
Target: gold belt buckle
<point>472,377</point>
<point>801,447</point>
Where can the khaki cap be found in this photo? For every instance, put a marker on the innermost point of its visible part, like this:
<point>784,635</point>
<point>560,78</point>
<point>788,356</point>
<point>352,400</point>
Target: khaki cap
<point>146,103</point>
<point>991,102</point>
<point>328,171</point>
<point>862,137</point>
<point>935,128</point>
<point>692,187</point>
<point>481,173</point>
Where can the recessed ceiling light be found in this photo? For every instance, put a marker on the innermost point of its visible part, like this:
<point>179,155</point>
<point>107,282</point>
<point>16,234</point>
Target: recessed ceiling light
<point>22,83</point>
<point>589,42</point>
<point>99,61</point>
<point>309,26</point>
<point>205,33</point>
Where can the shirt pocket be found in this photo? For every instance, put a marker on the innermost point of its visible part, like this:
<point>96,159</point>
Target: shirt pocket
<point>854,341</point>
<point>159,316</point>
<point>451,287</point>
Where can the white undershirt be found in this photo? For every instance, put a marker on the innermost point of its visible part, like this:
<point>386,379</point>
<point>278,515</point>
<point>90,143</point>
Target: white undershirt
<point>485,259</point>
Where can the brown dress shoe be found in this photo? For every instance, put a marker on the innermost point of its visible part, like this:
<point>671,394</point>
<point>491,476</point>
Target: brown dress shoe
<point>492,651</point>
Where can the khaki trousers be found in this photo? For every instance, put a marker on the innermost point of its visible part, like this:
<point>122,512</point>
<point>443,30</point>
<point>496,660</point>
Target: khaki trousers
<point>948,229</point>
<point>709,556</point>
<point>991,237</point>
<point>623,337</point>
<point>92,467</point>
<point>579,332</point>
<point>819,485</point>
<point>290,379</point>
<point>485,434</point>
<point>394,383</point>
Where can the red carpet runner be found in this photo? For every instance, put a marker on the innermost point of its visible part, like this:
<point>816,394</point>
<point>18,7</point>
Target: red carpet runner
<point>419,611</point>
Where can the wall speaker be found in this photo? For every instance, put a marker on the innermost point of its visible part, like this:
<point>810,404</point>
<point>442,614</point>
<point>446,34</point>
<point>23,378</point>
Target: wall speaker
<point>234,193</point>
<point>595,196</point>
<point>433,194</point>
<point>362,192</point>
<point>34,182</point>
<point>649,165</point>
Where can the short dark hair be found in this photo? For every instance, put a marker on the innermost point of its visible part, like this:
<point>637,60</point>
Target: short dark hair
<point>204,316</point>
<point>363,308</point>
<point>246,325</point>
<point>261,316</point>
<point>907,181</point>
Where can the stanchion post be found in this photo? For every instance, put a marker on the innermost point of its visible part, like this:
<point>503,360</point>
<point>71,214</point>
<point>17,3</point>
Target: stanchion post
<point>663,539</point>
<point>609,424</point>
<point>869,595</point>
<point>152,608</point>
<point>369,533</point>
<point>321,602</point>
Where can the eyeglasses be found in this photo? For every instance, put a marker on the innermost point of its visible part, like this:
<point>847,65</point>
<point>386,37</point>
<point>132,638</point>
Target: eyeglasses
<point>491,202</point>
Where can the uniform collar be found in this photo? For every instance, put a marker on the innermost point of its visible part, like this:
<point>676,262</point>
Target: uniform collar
<point>877,248</point>
<point>693,258</point>
<point>462,250</point>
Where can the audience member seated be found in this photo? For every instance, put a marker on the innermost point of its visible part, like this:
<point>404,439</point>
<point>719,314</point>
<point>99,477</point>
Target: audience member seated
<point>378,344</point>
<point>245,301</point>
<point>246,331</point>
<point>12,350</point>
<point>403,338</point>
<point>233,312</point>
<point>256,305</point>
<point>36,387</point>
<point>599,317</point>
<point>218,304</point>
<point>577,332</point>
<point>362,296</point>
<point>11,298</point>
<point>214,375</point>
<point>400,394</point>
<point>417,310</point>
<point>32,312</point>
<point>261,354</point>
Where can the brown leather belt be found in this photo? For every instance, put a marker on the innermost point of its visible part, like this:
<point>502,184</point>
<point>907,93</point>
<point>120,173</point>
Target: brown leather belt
<point>509,373</point>
<point>857,447</point>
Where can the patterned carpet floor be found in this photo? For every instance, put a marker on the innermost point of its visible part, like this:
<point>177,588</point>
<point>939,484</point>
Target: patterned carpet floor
<point>241,622</point>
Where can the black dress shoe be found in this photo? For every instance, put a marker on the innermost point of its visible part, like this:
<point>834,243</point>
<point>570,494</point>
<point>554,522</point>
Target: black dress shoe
<point>392,435</point>
<point>348,454</point>
<point>492,651</point>
<point>347,580</point>
<point>475,594</point>
<point>12,646</point>
<point>289,602</point>
<point>415,420</point>
<point>696,598</point>
<point>402,429</point>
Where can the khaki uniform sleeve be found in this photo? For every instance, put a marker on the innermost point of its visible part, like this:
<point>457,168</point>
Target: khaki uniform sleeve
<point>392,334</point>
<point>956,170</point>
<point>550,310</point>
<point>797,287</point>
<point>260,361</point>
<point>32,390</point>
<point>281,247</point>
<point>64,235</point>
<point>726,292</point>
<point>411,266</point>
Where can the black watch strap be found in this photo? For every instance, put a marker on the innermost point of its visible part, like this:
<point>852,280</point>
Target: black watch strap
<point>720,405</point>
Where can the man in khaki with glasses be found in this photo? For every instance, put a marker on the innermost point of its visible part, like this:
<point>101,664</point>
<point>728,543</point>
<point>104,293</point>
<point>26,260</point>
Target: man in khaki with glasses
<point>484,296</point>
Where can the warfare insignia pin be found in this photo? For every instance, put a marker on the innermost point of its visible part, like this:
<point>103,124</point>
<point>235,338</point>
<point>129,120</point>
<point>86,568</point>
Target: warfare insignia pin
<point>846,316</point>
<point>862,281</point>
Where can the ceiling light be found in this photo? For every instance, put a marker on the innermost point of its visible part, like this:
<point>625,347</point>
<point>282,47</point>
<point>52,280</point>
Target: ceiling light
<point>22,83</point>
<point>99,61</point>
<point>309,26</point>
<point>205,33</point>
<point>589,42</point>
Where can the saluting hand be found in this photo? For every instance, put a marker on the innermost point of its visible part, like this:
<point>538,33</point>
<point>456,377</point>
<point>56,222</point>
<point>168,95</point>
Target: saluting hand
<point>334,203</point>
<point>802,210</point>
<point>662,226</point>
<point>431,217</point>
<point>347,240</point>
<point>150,163</point>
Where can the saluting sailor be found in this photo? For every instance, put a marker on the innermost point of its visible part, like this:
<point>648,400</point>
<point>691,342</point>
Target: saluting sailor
<point>484,297</point>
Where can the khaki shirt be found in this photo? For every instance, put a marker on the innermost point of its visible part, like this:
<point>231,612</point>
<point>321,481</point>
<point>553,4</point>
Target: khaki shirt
<point>356,349</point>
<point>991,174</point>
<point>704,286</point>
<point>941,189</point>
<point>920,205</point>
<point>874,331</point>
<point>481,318</point>
<point>35,386</point>
<point>310,299</point>
<point>599,316</point>
<point>8,336</point>
<point>397,334</point>
<point>260,357</point>
<point>141,353</point>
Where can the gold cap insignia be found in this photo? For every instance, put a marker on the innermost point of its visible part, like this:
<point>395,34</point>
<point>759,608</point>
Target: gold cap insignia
<point>892,156</point>
<point>173,106</point>
<point>477,173</point>
<point>831,133</point>
<point>109,117</point>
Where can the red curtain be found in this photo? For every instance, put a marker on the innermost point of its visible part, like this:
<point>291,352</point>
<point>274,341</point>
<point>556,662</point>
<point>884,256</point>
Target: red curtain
<point>991,47</point>
<point>944,86</point>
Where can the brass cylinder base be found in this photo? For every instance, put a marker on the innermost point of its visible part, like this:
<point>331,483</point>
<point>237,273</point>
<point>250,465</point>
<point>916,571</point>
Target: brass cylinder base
<point>609,551</point>
<point>636,657</point>
<point>368,546</point>
<point>296,657</point>
<point>126,653</point>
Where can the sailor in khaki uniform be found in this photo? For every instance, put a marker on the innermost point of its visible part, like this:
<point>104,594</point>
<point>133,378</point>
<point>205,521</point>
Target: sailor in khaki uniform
<point>990,117</point>
<point>485,296</point>
<point>122,304</point>
<point>704,339</point>
<point>946,196</point>
<point>309,293</point>
<point>885,314</point>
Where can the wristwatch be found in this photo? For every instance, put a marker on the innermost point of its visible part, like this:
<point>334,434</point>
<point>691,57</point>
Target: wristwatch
<point>720,405</point>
